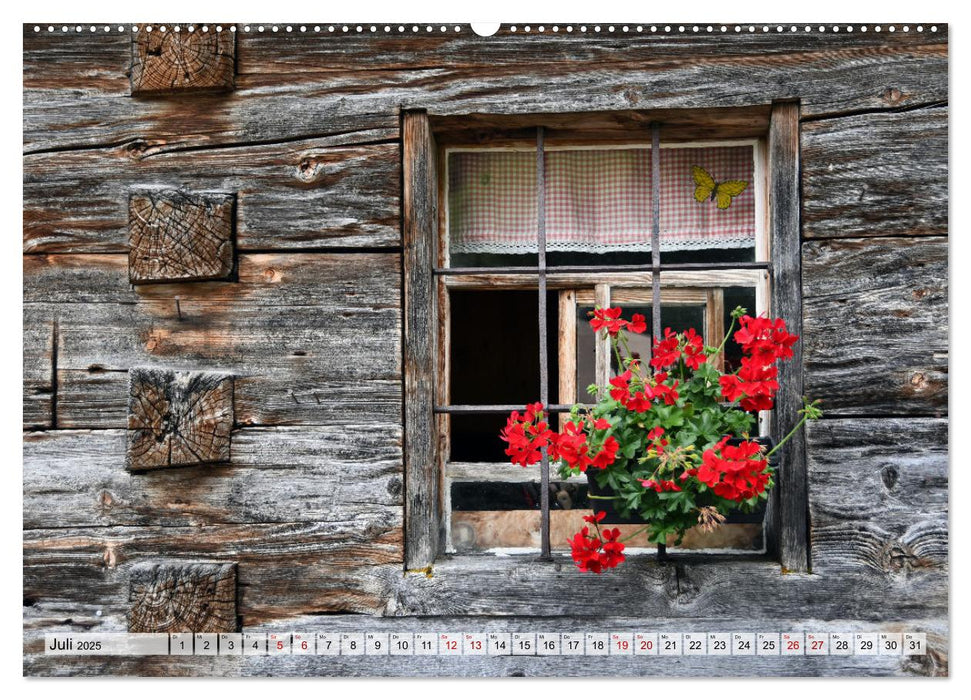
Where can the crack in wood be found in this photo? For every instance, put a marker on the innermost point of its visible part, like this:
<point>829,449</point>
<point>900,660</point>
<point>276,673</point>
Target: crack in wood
<point>54,343</point>
<point>823,116</point>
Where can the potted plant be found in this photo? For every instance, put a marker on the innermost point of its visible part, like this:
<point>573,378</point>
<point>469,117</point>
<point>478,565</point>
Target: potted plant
<point>668,442</point>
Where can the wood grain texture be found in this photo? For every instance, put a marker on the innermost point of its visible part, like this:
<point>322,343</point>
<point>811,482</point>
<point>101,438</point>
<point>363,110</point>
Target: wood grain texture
<point>266,53</point>
<point>278,330</point>
<point>622,126</point>
<point>691,586</point>
<point>40,370</point>
<point>338,565</point>
<point>307,473</point>
<point>829,76</point>
<point>182,597</point>
<point>787,524</point>
<point>935,663</point>
<point>178,236</point>
<point>876,174</point>
<point>177,62</point>
<point>879,496</point>
<point>178,418</point>
<point>338,191</point>
<point>287,570</point>
<point>423,507</point>
<point>876,325</point>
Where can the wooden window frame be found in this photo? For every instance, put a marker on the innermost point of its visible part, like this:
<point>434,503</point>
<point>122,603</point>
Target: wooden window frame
<point>425,142</point>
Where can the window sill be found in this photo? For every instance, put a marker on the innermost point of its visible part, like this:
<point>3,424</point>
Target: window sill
<point>685,584</point>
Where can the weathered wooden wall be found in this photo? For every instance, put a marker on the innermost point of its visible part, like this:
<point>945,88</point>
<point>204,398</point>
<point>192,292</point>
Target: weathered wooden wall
<point>311,505</point>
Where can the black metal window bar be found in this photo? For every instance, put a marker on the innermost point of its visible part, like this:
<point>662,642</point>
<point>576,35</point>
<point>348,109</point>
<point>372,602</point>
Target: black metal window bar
<point>542,270</point>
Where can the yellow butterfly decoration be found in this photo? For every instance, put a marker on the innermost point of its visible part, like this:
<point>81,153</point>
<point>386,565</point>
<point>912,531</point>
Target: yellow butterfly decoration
<point>720,193</point>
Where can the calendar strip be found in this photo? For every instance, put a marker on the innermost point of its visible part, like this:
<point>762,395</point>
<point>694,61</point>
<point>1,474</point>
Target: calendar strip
<point>607,644</point>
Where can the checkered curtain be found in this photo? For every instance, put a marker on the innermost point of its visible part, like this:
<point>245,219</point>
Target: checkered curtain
<point>597,200</point>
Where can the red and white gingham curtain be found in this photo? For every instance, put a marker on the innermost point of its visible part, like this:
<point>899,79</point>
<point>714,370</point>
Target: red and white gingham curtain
<point>597,200</point>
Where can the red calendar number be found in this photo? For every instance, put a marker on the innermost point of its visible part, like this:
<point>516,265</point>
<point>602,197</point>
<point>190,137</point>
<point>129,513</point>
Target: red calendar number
<point>646,645</point>
<point>792,645</point>
<point>622,644</point>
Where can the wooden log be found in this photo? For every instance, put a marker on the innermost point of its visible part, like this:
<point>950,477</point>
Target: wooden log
<point>265,53</point>
<point>788,511</point>
<point>688,587</point>
<point>327,192</point>
<point>934,663</point>
<point>353,281</point>
<point>423,507</point>
<point>182,597</point>
<point>341,565</point>
<point>831,78</point>
<point>879,494</point>
<point>303,396</point>
<point>178,419</point>
<point>878,174</point>
<point>178,62</point>
<point>178,236</point>
<point>290,330</point>
<point>290,569</point>
<point>301,474</point>
<point>876,325</point>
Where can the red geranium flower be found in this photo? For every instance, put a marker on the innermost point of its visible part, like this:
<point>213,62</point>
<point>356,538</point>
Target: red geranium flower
<point>572,447</point>
<point>764,339</point>
<point>607,454</point>
<point>637,324</point>
<point>655,436</point>
<point>665,351</point>
<point>755,383</point>
<point>593,554</point>
<point>736,472</point>
<point>661,390</point>
<point>640,402</point>
<point>659,486</point>
<point>609,320</point>
<point>527,435</point>
<point>694,349</point>
<point>621,390</point>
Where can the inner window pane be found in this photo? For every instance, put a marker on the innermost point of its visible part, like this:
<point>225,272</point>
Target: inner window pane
<point>735,297</point>
<point>598,201</point>
<point>495,360</point>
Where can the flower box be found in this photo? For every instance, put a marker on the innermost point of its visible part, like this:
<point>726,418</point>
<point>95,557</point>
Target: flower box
<point>601,496</point>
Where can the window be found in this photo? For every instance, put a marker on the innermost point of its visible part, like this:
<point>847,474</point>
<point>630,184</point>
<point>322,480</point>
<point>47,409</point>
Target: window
<point>481,210</point>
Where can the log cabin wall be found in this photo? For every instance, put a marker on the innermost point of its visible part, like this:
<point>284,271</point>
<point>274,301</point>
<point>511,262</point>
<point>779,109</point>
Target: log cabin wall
<point>290,322</point>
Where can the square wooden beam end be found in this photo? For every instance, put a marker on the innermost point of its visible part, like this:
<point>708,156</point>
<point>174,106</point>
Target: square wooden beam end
<point>176,62</point>
<point>176,236</point>
<point>182,597</point>
<point>178,418</point>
